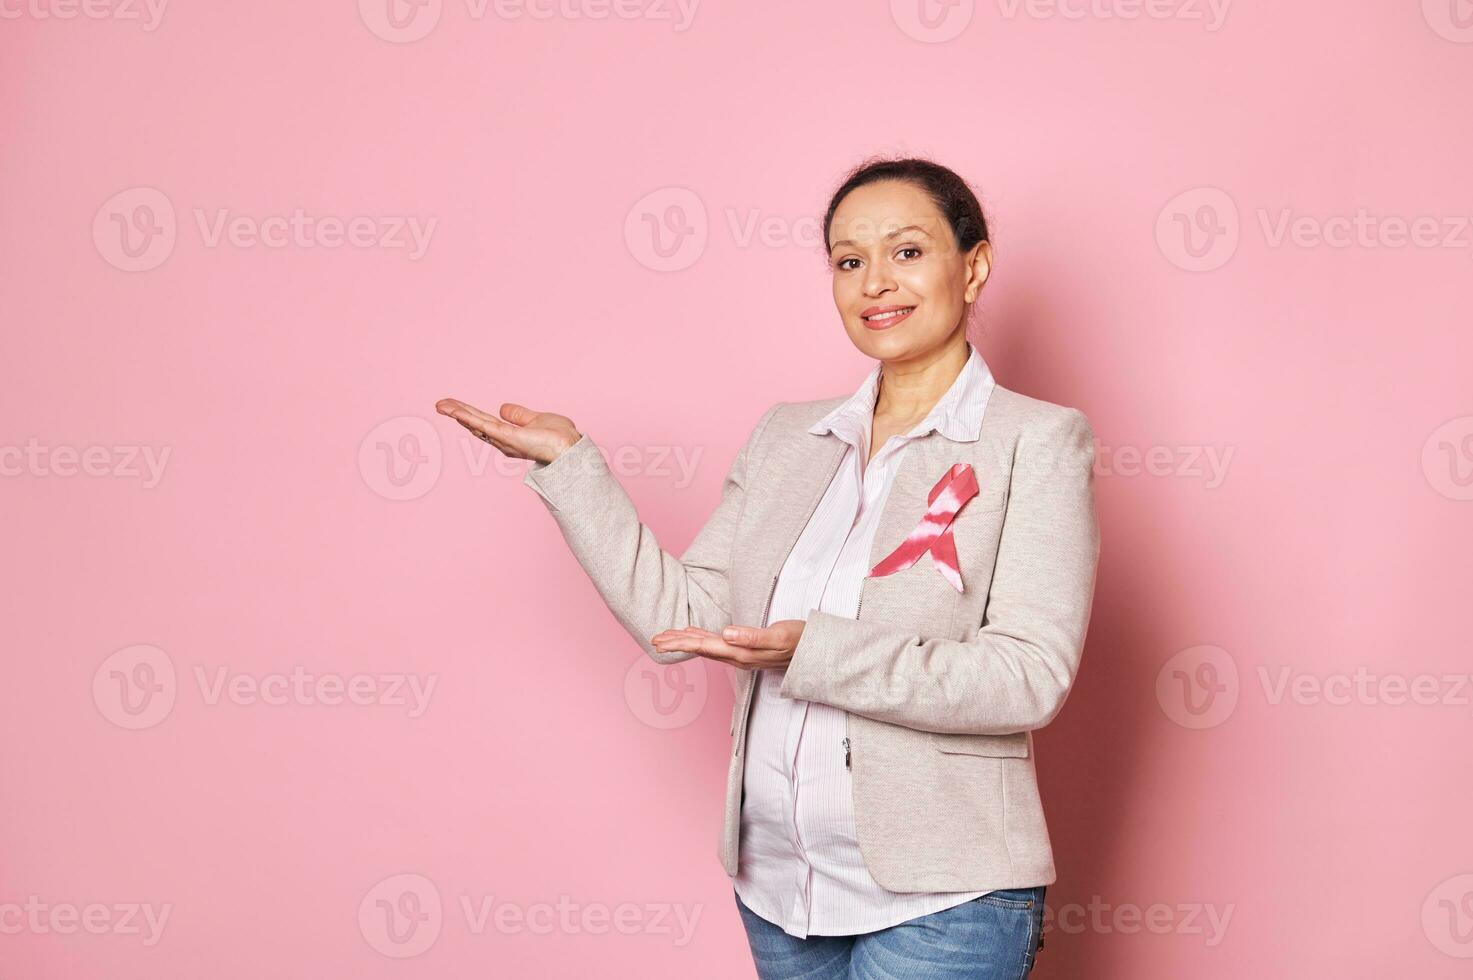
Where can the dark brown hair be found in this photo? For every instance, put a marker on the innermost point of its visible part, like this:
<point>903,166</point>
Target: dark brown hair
<point>950,193</point>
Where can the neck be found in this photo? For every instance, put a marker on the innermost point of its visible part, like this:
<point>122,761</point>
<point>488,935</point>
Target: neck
<point>910,388</point>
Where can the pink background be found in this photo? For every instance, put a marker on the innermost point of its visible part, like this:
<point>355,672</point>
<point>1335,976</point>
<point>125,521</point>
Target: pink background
<point>293,389</point>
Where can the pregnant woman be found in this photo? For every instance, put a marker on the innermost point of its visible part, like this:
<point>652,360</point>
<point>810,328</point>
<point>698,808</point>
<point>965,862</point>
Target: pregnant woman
<point>903,579</point>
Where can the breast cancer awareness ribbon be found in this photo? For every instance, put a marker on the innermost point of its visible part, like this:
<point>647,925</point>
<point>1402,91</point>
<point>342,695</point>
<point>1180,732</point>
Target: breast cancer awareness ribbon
<point>933,533</point>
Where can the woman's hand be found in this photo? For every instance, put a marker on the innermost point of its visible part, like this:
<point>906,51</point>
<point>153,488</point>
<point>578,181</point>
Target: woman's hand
<point>520,432</point>
<point>747,647</point>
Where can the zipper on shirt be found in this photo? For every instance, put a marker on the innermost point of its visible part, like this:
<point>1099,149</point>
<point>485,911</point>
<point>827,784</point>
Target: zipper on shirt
<point>767,606</point>
<point>857,609</point>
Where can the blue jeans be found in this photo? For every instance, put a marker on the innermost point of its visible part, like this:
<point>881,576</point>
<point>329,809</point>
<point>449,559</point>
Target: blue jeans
<point>993,937</point>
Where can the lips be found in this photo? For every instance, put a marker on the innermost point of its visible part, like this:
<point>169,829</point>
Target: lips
<point>884,317</point>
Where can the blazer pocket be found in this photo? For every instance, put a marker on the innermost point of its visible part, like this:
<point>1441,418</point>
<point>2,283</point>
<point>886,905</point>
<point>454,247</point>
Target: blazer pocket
<point>979,512</point>
<point>984,503</point>
<point>1012,745</point>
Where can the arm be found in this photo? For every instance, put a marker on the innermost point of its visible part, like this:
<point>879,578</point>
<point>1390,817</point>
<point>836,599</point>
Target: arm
<point>1017,671</point>
<point>647,588</point>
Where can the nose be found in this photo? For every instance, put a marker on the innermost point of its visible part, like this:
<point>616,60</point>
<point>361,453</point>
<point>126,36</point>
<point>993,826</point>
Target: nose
<point>877,280</point>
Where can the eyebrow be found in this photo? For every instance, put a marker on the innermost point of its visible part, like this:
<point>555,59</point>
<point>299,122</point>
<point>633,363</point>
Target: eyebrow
<point>892,234</point>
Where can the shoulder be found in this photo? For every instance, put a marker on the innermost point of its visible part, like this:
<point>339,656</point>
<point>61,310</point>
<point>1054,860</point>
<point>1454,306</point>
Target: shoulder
<point>1042,438</point>
<point>1011,417</point>
<point>1007,411</point>
<point>788,417</point>
<point>785,425</point>
<point>1036,419</point>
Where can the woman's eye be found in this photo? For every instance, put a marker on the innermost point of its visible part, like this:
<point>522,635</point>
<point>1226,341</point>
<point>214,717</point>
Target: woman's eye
<point>910,248</point>
<point>842,264</point>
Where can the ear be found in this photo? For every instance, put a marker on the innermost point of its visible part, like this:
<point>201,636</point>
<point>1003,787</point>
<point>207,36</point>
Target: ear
<point>979,267</point>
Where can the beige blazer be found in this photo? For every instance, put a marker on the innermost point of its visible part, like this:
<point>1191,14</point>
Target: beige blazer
<point>942,689</point>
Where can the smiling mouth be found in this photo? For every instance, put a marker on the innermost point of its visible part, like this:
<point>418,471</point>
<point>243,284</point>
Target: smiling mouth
<point>888,315</point>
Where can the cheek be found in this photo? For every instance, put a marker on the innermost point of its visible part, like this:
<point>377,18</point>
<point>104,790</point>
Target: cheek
<point>845,300</point>
<point>914,281</point>
<point>846,290</point>
<point>941,295</point>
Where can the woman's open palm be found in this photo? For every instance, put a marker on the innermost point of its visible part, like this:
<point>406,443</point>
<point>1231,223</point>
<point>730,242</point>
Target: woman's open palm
<point>519,433</point>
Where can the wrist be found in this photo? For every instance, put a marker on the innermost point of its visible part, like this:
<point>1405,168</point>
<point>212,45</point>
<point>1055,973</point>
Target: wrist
<point>565,445</point>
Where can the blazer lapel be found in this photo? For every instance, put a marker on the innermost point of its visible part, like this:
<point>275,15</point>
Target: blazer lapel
<point>801,486</point>
<point>922,464</point>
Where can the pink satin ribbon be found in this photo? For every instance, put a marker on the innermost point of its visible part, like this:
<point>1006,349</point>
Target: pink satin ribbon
<point>933,533</point>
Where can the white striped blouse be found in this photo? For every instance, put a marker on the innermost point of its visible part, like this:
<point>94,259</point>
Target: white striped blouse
<point>800,866</point>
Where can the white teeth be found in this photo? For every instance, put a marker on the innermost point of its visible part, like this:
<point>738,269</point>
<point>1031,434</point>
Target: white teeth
<point>891,315</point>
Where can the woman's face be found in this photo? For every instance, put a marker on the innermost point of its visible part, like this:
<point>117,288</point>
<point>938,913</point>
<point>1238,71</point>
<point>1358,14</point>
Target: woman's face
<point>893,250</point>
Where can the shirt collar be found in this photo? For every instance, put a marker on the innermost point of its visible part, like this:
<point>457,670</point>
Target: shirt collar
<point>957,415</point>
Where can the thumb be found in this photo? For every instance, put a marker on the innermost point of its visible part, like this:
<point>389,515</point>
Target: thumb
<point>742,636</point>
<point>517,414</point>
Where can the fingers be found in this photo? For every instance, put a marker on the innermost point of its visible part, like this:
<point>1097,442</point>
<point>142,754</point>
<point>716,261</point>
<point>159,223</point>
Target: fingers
<point>447,406</point>
<point>781,635</point>
<point>482,429</point>
<point>703,642</point>
<point>485,427</point>
<point>753,637</point>
<point>743,636</point>
<point>683,633</point>
<point>468,414</point>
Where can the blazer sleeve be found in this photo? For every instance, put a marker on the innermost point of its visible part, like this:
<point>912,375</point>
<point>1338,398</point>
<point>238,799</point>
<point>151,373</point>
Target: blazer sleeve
<point>645,587</point>
<point>1015,674</point>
